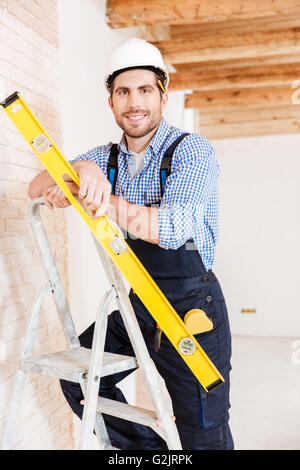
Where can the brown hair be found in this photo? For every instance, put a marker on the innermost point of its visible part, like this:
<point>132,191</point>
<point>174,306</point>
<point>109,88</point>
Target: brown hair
<point>158,73</point>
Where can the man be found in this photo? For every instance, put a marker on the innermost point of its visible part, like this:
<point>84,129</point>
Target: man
<point>174,239</point>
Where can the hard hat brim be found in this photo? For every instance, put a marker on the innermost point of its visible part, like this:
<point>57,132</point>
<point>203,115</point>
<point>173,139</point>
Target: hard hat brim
<point>158,71</point>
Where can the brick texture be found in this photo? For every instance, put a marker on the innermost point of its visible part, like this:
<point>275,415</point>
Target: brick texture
<point>29,63</point>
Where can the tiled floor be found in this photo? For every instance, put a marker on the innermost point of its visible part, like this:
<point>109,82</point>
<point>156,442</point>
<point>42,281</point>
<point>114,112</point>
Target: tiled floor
<point>265,393</point>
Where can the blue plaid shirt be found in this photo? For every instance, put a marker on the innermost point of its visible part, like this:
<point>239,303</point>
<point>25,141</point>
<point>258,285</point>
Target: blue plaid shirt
<point>189,206</point>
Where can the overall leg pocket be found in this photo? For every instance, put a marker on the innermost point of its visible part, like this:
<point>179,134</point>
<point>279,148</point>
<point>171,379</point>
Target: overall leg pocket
<point>215,405</point>
<point>210,340</point>
<point>210,344</point>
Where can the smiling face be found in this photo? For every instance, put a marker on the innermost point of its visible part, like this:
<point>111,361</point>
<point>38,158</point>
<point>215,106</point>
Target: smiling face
<point>137,102</point>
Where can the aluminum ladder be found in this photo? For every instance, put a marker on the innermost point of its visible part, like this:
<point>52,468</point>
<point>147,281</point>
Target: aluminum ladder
<point>87,366</point>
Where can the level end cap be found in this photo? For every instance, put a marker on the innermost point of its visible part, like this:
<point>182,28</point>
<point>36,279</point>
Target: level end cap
<point>214,385</point>
<point>10,99</point>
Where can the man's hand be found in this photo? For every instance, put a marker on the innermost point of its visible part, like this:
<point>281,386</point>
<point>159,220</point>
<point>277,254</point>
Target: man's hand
<point>54,197</point>
<point>95,189</point>
<point>95,193</point>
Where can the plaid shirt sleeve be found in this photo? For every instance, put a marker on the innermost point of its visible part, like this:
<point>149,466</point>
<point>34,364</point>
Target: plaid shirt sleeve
<point>97,155</point>
<point>188,189</point>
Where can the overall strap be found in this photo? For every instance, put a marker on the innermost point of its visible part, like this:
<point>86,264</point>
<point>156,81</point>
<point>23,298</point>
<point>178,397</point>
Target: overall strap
<point>112,166</point>
<point>165,167</point>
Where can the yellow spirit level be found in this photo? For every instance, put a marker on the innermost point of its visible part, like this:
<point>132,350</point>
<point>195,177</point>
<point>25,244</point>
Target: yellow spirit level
<point>115,246</point>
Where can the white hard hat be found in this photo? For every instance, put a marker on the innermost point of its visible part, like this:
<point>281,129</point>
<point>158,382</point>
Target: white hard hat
<point>135,53</point>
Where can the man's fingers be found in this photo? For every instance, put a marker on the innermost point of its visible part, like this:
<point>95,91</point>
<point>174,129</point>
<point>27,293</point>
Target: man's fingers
<point>54,197</point>
<point>60,199</point>
<point>90,193</point>
<point>105,203</point>
<point>53,190</point>
<point>51,193</point>
<point>98,196</point>
<point>106,197</point>
<point>159,423</point>
<point>47,202</point>
<point>83,188</point>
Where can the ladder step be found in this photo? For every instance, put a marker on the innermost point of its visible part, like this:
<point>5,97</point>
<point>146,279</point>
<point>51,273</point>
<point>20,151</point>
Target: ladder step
<point>73,364</point>
<point>128,412</point>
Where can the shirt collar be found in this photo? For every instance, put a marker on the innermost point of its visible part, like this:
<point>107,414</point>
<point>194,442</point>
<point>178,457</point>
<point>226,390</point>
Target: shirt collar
<point>160,136</point>
<point>156,142</point>
<point>123,145</point>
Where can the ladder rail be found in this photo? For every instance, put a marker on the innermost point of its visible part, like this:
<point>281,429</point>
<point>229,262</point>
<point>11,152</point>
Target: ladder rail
<point>62,306</point>
<point>48,262</point>
<point>53,286</point>
<point>20,378</point>
<point>94,374</point>
<point>150,373</point>
<point>169,431</point>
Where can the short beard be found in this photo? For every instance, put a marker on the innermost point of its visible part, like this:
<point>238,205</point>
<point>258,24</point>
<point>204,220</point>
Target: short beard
<point>150,129</point>
<point>142,133</point>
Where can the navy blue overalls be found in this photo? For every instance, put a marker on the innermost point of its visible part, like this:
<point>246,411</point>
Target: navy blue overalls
<point>201,418</point>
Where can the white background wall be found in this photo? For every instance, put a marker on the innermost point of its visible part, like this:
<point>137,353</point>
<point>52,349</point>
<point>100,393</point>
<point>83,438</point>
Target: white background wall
<point>258,255</point>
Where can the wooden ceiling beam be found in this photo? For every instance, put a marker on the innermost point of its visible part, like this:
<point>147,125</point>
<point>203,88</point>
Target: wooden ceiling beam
<point>246,77</point>
<point>238,63</point>
<point>122,14</point>
<point>250,97</point>
<point>235,114</point>
<point>252,24</point>
<point>249,129</point>
<point>228,46</point>
<point>156,32</point>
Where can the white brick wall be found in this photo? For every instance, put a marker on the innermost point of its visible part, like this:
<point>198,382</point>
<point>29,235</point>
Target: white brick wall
<point>29,63</point>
